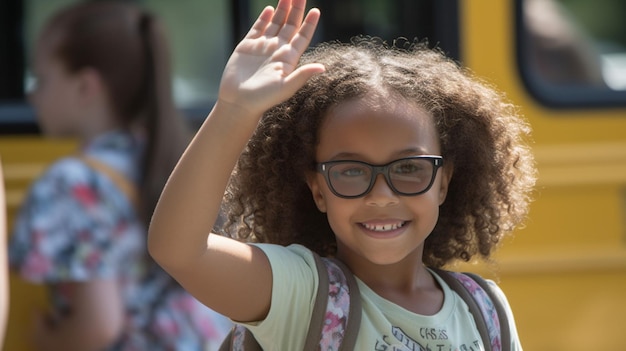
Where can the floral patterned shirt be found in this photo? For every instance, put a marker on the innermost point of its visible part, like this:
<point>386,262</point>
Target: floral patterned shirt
<point>77,225</point>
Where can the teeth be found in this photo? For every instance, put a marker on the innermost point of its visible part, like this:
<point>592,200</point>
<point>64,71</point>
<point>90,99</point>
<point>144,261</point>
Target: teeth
<point>383,227</point>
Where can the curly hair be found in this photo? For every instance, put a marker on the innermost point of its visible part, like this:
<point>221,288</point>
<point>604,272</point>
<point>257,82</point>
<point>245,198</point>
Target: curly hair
<point>481,134</point>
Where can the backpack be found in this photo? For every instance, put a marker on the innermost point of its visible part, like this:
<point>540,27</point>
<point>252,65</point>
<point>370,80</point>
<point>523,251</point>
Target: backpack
<point>125,185</point>
<point>336,281</point>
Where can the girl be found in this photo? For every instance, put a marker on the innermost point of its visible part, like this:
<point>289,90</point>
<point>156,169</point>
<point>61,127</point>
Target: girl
<point>103,77</point>
<point>389,159</point>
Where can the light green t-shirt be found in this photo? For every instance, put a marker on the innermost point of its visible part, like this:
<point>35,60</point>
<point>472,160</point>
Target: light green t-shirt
<point>385,326</point>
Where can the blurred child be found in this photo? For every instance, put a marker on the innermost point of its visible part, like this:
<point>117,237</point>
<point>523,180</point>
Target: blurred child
<point>392,160</point>
<point>103,77</point>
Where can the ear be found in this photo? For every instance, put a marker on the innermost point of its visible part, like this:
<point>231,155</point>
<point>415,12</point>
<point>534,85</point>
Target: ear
<point>91,84</point>
<point>446,176</point>
<point>313,181</point>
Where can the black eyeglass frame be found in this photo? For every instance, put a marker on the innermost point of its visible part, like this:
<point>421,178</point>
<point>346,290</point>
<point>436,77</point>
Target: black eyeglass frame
<point>324,168</point>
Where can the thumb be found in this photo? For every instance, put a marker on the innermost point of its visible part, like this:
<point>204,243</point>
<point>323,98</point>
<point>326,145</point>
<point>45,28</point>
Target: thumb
<point>302,74</point>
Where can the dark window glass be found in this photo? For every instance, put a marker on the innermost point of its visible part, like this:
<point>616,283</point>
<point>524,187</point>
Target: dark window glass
<point>573,52</point>
<point>200,37</point>
<point>434,20</point>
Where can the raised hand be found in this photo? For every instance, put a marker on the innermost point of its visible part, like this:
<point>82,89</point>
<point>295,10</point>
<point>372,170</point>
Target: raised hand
<point>262,71</point>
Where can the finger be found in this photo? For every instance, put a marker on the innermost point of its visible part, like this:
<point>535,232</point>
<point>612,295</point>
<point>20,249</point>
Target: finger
<point>283,9</point>
<point>290,54</point>
<point>294,21</point>
<point>302,39</point>
<point>260,25</point>
<point>291,27</point>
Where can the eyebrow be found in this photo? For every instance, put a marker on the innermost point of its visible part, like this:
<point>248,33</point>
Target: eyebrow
<point>399,154</point>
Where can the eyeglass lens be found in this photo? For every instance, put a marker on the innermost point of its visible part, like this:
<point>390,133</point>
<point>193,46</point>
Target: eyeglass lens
<point>407,176</point>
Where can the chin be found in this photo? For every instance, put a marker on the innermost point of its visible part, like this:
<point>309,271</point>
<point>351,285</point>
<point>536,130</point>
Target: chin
<point>386,259</point>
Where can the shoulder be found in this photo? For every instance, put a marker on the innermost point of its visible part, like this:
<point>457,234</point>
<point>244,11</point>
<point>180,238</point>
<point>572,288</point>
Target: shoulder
<point>293,268</point>
<point>71,196</point>
<point>294,285</point>
<point>487,302</point>
<point>72,178</point>
<point>59,180</point>
<point>288,257</point>
<point>68,169</point>
<point>119,151</point>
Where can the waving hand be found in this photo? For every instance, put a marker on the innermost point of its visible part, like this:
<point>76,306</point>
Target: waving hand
<point>262,71</point>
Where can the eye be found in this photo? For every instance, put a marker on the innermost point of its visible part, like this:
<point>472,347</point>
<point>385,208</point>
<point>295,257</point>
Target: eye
<point>349,170</point>
<point>407,167</point>
<point>353,172</point>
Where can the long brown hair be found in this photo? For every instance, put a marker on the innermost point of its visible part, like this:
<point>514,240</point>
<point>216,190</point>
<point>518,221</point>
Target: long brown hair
<point>127,46</point>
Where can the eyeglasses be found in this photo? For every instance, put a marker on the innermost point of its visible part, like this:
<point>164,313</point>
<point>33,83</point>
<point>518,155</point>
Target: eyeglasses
<point>407,176</point>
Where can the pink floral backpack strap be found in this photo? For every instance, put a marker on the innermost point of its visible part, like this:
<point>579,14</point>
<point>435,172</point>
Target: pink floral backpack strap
<point>504,328</point>
<point>486,308</point>
<point>240,339</point>
<point>336,316</point>
<point>335,319</point>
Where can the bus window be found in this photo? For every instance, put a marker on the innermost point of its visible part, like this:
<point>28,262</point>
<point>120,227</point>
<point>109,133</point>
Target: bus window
<point>201,42</point>
<point>572,53</point>
<point>200,37</point>
<point>432,20</point>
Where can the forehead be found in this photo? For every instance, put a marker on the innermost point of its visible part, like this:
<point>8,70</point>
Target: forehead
<point>377,129</point>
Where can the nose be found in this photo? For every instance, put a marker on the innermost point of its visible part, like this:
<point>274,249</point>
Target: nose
<point>381,194</point>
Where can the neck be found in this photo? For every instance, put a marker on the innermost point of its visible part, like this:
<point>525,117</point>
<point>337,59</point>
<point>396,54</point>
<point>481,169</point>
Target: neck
<point>96,124</point>
<point>407,283</point>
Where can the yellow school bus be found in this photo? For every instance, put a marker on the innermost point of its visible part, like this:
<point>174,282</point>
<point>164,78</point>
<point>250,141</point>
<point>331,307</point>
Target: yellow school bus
<point>565,273</point>
<point>563,62</point>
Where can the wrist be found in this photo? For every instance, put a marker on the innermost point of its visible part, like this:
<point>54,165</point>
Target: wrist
<point>236,110</point>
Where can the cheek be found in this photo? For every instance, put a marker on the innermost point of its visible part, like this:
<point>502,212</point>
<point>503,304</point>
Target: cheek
<point>50,112</point>
<point>45,101</point>
<point>339,213</point>
<point>37,98</point>
<point>426,210</point>
<point>45,105</point>
<point>42,107</point>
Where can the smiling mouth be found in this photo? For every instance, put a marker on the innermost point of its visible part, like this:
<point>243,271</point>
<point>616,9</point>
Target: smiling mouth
<point>383,227</point>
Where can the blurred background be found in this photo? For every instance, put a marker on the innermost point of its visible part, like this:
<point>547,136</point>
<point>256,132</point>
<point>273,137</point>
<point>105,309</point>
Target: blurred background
<point>563,62</point>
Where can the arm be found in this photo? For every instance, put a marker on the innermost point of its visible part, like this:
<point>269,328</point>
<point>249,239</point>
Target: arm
<point>95,320</point>
<point>71,239</point>
<point>4,274</point>
<point>230,277</point>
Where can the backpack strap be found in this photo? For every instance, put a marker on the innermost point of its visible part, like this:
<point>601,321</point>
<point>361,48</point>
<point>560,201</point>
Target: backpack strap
<point>239,339</point>
<point>485,307</point>
<point>505,330</point>
<point>335,324</point>
<point>318,316</point>
<point>354,322</point>
<point>127,187</point>
<point>333,301</point>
